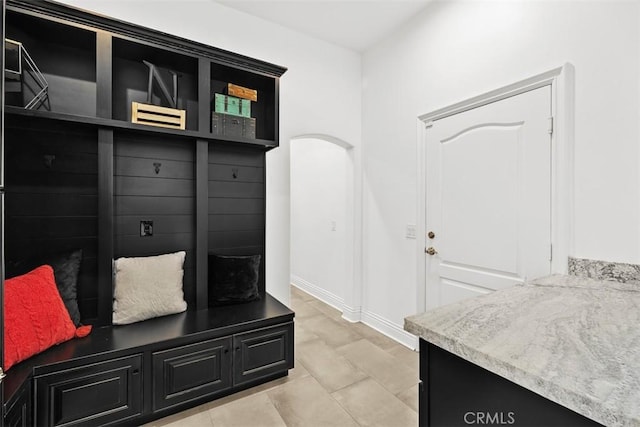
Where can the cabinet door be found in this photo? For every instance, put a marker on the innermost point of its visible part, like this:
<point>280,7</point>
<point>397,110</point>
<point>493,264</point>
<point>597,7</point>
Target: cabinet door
<point>190,372</point>
<point>19,409</point>
<point>94,394</point>
<point>262,353</point>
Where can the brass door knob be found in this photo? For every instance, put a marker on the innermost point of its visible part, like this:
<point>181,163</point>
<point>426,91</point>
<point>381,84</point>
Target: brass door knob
<point>431,251</point>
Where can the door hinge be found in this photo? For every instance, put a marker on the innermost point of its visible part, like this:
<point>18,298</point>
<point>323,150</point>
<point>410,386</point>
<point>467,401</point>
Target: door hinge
<point>550,252</point>
<point>551,125</point>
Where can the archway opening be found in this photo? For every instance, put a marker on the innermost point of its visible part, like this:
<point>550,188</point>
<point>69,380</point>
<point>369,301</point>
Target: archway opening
<point>322,218</point>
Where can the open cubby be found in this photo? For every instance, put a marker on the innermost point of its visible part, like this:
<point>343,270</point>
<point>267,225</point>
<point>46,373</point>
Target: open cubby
<point>236,219</point>
<point>166,197</point>
<point>131,76</point>
<point>79,174</point>
<point>51,198</point>
<point>66,56</point>
<point>264,110</point>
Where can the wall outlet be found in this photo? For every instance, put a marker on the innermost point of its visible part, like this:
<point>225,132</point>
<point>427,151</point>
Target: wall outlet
<point>146,228</point>
<point>333,225</point>
<point>411,231</point>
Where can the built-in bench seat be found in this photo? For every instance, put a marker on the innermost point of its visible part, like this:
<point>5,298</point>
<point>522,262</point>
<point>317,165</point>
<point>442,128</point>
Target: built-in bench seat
<point>146,370</point>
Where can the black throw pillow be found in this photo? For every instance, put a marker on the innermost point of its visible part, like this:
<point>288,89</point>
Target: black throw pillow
<point>233,279</point>
<point>66,267</point>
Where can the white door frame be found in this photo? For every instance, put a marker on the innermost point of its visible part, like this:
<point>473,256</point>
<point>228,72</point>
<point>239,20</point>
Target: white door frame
<point>561,80</point>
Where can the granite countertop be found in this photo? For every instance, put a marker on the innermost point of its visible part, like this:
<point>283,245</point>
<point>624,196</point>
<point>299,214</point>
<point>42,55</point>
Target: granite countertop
<point>573,340</point>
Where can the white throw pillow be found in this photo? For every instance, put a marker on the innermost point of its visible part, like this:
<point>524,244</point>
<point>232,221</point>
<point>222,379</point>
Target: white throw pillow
<point>148,287</point>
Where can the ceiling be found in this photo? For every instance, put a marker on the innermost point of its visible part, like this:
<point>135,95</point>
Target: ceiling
<point>353,24</point>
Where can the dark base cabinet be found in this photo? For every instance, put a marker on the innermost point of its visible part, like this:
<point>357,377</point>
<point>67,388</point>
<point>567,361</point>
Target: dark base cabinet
<point>18,412</point>
<point>205,369</point>
<point>134,374</point>
<point>456,392</point>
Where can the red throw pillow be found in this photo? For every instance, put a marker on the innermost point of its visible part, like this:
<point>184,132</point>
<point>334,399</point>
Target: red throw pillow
<point>35,317</point>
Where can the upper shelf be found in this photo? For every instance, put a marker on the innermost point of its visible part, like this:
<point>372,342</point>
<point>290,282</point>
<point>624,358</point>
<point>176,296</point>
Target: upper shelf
<point>97,67</point>
<point>128,126</point>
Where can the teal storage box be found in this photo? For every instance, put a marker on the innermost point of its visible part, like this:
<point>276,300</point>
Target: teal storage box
<point>231,105</point>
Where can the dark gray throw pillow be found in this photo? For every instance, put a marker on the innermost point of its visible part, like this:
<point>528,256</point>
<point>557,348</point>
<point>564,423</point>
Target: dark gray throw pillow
<point>66,268</point>
<point>233,279</point>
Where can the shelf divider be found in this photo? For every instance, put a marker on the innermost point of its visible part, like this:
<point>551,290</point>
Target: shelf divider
<point>204,95</point>
<point>105,226</point>
<point>202,223</point>
<point>104,74</point>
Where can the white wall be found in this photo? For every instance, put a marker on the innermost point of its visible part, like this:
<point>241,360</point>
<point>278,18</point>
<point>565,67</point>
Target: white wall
<point>455,50</point>
<point>319,259</point>
<point>450,52</point>
<point>318,73</point>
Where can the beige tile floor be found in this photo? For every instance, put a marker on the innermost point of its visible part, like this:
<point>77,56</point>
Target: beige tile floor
<point>345,374</point>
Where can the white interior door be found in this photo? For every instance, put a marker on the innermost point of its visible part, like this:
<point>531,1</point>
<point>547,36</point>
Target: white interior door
<point>488,201</point>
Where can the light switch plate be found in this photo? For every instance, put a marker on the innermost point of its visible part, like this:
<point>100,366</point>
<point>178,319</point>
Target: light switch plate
<point>146,228</point>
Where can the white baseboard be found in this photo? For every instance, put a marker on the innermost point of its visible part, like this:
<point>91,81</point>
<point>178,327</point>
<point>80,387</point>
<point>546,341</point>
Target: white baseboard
<point>352,314</point>
<point>390,329</point>
<point>357,314</point>
<point>316,291</point>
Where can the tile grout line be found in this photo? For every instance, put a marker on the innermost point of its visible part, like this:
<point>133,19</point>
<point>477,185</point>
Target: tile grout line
<point>276,407</point>
<point>342,406</point>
